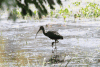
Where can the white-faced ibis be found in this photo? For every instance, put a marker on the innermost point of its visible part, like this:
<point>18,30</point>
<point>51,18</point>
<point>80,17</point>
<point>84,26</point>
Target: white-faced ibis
<point>51,34</point>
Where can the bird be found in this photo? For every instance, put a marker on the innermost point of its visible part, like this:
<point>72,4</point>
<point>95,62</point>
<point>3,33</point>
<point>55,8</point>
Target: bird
<point>54,35</point>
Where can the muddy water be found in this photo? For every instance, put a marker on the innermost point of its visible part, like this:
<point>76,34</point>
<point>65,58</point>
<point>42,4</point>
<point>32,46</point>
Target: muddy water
<point>18,46</point>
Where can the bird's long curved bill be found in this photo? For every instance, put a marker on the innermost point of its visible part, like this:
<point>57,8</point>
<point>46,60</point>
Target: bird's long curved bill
<point>37,33</point>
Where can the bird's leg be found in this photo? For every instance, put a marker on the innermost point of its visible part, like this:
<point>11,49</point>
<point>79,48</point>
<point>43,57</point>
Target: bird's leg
<point>52,43</point>
<point>52,47</point>
<point>52,51</point>
<point>56,41</point>
<point>56,47</point>
<point>55,44</point>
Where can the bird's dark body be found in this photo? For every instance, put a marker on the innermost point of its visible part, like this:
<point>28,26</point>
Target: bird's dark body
<point>51,34</point>
<point>54,35</point>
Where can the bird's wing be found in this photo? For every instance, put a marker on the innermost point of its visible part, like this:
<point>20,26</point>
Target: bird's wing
<point>53,33</point>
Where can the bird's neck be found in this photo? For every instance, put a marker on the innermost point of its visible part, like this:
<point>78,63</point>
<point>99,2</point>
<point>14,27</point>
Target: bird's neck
<point>44,32</point>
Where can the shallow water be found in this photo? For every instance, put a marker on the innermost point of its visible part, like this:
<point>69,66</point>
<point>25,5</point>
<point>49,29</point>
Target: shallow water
<point>81,42</point>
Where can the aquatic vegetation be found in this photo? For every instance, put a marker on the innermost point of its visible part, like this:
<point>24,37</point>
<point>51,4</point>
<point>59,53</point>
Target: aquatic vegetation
<point>56,15</point>
<point>91,10</point>
<point>76,3</point>
<point>77,15</point>
<point>64,12</point>
<point>51,13</point>
<point>35,12</point>
<point>14,14</point>
<point>64,17</point>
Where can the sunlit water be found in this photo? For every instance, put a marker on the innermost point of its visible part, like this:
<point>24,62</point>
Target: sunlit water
<point>81,43</point>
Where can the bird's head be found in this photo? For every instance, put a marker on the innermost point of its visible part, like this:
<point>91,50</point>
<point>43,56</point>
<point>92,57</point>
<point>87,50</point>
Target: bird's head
<point>41,28</point>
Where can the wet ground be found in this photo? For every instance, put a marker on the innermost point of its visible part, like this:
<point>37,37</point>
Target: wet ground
<point>79,48</point>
